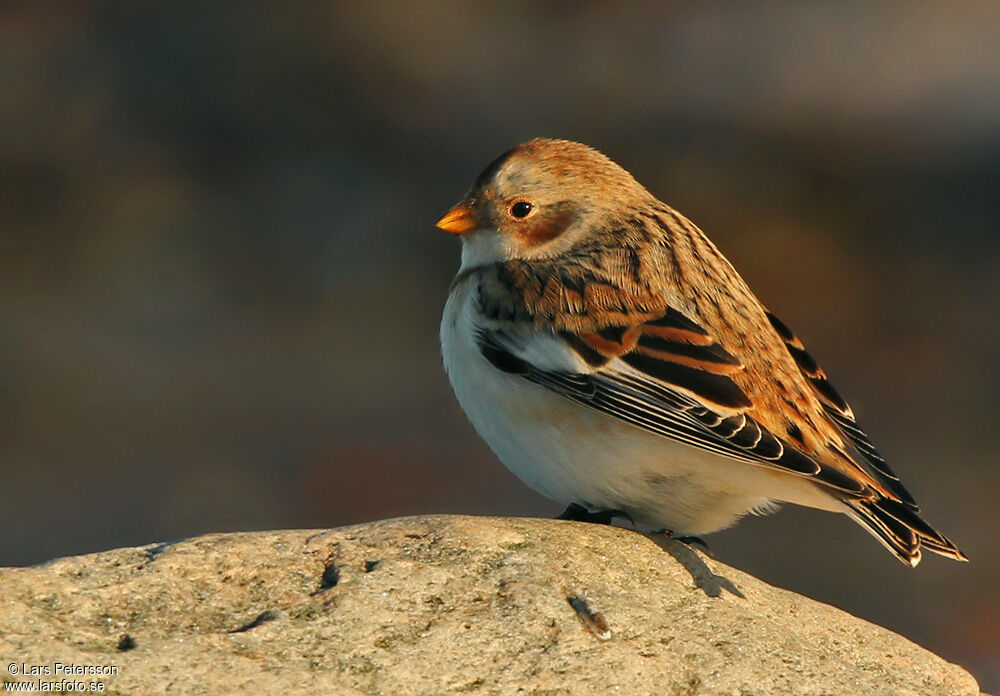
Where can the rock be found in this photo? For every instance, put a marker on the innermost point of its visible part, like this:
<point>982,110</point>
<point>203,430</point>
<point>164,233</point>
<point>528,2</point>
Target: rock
<point>444,604</point>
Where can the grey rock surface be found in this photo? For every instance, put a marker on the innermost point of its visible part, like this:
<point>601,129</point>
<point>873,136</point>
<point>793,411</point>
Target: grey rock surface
<point>439,605</point>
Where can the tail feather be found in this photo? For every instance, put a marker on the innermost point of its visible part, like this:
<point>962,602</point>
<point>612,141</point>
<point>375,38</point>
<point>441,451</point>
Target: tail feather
<point>901,530</point>
<point>947,549</point>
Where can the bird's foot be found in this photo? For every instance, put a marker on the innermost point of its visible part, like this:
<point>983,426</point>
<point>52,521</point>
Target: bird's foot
<point>578,513</point>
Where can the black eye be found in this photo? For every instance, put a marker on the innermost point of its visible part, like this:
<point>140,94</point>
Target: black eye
<point>520,209</point>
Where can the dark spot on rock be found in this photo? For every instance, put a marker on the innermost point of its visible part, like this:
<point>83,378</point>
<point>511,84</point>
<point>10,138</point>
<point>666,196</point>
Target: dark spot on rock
<point>329,579</point>
<point>370,566</point>
<point>593,620</point>
<point>262,618</point>
<point>125,643</point>
<point>152,552</point>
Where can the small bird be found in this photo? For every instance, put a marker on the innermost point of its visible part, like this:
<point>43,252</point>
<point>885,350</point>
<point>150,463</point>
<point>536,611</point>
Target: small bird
<point>616,362</point>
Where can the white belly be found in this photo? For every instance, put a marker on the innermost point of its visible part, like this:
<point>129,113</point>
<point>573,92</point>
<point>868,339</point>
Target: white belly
<point>574,454</point>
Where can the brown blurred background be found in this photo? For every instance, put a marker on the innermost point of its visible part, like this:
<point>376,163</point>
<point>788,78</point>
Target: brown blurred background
<point>220,285</point>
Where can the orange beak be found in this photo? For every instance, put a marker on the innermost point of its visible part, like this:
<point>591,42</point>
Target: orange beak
<point>459,219</point>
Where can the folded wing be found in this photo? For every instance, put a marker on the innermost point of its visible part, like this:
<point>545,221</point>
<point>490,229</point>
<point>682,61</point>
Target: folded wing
<point>667,376</point>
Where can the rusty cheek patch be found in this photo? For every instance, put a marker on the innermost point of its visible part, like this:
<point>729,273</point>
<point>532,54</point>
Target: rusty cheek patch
<point>544,228</point>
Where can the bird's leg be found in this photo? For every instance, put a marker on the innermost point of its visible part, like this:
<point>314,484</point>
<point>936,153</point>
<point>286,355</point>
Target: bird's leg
<point>578,513</point>
<point>689,540</point>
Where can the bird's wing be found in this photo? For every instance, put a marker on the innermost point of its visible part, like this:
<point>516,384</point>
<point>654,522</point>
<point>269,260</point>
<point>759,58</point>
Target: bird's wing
<point>668,376</point>
<point>620,346</point>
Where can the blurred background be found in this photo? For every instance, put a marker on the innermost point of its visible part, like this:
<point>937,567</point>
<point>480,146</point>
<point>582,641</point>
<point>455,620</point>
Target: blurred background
<point>220,283</point>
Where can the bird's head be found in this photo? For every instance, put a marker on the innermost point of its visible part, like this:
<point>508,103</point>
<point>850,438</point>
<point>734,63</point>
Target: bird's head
<point>539,200</point>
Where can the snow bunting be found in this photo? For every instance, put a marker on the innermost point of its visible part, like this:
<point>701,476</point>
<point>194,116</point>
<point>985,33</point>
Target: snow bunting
<point>615,361</point>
